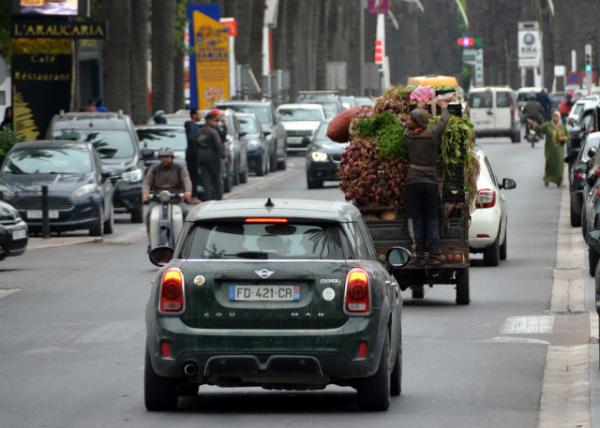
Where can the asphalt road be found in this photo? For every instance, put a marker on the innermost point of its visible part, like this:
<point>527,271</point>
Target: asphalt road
<point>72,335</point>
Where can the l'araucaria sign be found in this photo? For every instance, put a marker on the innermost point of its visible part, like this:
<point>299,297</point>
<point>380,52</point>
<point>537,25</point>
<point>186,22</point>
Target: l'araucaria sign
<point>61,30</point>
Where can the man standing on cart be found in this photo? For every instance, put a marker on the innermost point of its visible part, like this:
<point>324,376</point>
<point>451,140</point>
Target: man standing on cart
<point>422,194</point>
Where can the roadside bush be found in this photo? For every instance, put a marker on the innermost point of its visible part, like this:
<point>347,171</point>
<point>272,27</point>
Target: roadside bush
<point>7,139</point>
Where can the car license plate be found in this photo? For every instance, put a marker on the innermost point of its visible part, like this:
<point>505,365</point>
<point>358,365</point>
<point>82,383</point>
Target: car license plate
<point>37,214</point>
<point>296,141</point>
<point>264,293</point>
<point>19,234</point>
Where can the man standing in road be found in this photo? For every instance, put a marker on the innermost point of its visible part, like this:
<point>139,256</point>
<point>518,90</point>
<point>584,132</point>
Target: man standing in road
<point>210,153</point>
<point>191,132</point>
<point>422,195</point>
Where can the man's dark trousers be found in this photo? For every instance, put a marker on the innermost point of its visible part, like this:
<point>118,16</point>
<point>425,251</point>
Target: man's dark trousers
<point>422,202</point>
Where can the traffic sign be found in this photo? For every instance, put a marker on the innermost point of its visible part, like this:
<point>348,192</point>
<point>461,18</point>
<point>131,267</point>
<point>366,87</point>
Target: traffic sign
<point>470,56</point>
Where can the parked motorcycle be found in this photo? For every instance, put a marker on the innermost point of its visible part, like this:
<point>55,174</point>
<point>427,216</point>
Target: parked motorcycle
<point>165,222</point>
<point>532,137</point>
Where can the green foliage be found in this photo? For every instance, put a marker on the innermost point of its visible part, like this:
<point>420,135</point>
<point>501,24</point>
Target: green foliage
<point>5,30</point>
<point>7,139</point>
<point>386,129</point>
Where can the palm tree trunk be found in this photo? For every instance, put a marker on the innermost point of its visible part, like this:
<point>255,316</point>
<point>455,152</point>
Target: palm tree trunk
<point>163,47</point>
<point>117,57</point>
<point>139,60</point>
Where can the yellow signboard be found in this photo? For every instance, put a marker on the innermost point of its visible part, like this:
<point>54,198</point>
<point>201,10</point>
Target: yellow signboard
<point>211,60</point>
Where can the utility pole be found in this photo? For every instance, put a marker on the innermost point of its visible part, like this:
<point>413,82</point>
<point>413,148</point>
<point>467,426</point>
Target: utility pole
<point>361,47</point>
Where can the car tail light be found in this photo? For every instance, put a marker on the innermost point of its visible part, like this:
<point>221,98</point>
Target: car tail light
<point>580,175</point>
<point>172,292</point>
<point>486,198</point>
<point>597,172</point>
<point>363,350</point>
<point>268,220</point>
<point>358,293</point>
<point>598,192</point>
<point>165,349</point>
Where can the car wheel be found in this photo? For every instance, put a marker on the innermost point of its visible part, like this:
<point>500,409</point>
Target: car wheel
<point>137,216</point>
<point>491,255</point>
<point>504,247</point>
<point>374,392</point>
<point>109,224</point>
<point>575,219</point>
<point>267,164</point>
<point>260,168</point>
<point>98,228</point>
<point>462,287</point>
<point>313,183</point>
<point>396,376</point>
<point>273,161</point>
<point>159,393</point>
<point>188,390</point>
<point>418,292</point>
<point>593,258</point>
<point>236,175</point>
<point>515,136</point>
<point>583,223</point>
<point>244,176</point>
<point>227,185</point>
<point>282,164</point>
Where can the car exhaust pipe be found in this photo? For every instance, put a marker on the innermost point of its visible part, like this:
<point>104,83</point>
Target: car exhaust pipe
<point>190,369</point>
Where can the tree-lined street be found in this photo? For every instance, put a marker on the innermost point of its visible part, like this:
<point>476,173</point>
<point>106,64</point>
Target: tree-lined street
<point>73,333</point>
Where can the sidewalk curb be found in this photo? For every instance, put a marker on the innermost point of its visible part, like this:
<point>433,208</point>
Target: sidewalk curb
<point>566,392</point>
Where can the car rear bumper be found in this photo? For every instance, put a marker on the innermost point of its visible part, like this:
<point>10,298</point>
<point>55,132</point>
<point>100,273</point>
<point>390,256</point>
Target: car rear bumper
<point>8,246</point>
<point>484,229</point>
<point>82,216</point>
<point>302,358</point>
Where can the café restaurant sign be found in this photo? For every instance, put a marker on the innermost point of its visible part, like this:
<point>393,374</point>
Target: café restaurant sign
<point>60,30</point>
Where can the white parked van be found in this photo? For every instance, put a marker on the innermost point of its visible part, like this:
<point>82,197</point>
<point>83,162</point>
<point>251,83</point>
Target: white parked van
<point>493,111</point>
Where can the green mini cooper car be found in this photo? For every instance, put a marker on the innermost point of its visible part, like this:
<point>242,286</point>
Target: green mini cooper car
<point>287,294</point>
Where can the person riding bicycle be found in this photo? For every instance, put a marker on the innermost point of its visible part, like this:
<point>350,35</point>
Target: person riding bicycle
<point>168,176</point>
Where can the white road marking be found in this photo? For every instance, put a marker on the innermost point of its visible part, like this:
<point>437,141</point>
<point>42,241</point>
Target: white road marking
<point>112,332</point>
<point>520,340</point>
<point>7,292</point>
<point>542,324</point>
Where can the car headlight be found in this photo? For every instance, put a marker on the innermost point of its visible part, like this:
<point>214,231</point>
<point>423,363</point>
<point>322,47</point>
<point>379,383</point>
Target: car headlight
<point>85,190</point>
<point>319,157</point>
<point>6,192</point>
<point>133,176</point>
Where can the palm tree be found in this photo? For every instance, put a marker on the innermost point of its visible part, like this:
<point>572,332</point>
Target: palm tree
<point>117,56</point>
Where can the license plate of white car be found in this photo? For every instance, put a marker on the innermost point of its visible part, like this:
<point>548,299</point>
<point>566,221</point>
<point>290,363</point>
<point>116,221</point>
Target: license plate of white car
<point>264,293</point>
<point>19,234</point>
<point>37,214</point>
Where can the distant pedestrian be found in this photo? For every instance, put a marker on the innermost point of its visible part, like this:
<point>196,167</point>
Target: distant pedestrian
<point>566,105</point>
<point>546,103</point>
<point>90,106</point>
<point>100,107</point>
<point>191,132</point>
<point>210,154</point>
<point>556,137</point>
<point>8,119</point>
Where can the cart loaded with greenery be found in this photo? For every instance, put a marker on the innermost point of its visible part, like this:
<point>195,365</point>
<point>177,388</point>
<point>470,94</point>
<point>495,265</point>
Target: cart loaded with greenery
<point>372,173</point>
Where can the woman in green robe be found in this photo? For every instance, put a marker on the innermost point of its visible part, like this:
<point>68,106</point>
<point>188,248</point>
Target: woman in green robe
<point>556,137</point>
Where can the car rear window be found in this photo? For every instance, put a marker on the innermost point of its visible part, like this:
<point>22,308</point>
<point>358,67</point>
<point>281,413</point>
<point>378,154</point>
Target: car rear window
<point>300,114</point>
<point>248,125</point>
<point>110,144</point>
<point>263,114</point>
<point>155,138</point>
<point>481,100</point>
<point>503,99</point>
<point>266,241</point>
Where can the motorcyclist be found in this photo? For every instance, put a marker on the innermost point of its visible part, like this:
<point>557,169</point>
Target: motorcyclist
<point>533,110</point>
<point>210,153</point>
<point>169,176</point>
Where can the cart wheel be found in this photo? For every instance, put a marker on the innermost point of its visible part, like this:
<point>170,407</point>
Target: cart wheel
<point>462,287</point>
<point>418,292</point>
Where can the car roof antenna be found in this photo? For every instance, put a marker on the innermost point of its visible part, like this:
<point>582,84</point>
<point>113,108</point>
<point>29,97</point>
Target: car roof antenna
<point>269,203</point>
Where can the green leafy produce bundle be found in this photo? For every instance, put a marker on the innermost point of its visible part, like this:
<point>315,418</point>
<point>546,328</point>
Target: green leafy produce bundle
<point>374,166</point>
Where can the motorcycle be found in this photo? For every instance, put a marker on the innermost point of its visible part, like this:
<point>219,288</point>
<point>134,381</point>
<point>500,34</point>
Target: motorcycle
<point>165,223</point>
<point>532,137</point>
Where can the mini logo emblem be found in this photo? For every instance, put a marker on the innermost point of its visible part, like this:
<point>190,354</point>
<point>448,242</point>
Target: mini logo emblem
<point>328,294</point>
<point>264,273</point>
<point>199,280</point>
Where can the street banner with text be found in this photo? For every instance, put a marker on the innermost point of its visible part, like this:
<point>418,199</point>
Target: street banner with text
<point>209,57</point>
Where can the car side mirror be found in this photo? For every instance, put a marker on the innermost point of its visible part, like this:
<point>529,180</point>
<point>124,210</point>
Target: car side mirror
<point>508,184</point>
<point>160,256</point>
<point>243,134</point>
<point>106,173</point>
<point>592,152</point>
<point>593,239</point>
<point>147,154</point>
<point>398,257</point>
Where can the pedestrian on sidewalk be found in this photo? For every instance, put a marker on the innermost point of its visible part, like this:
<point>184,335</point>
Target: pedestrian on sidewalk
<point>554,151</point>
<point>7,121</point>
<point>191,160</point>
<point>210,155</point>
